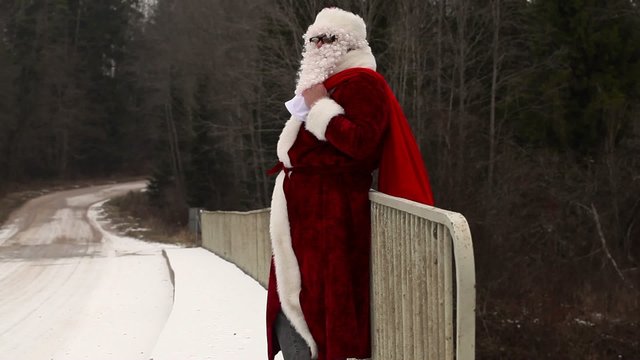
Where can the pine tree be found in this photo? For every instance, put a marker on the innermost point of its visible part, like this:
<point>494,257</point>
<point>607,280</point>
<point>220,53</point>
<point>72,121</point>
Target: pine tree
<point>200,177</point>
<point>588,75</point>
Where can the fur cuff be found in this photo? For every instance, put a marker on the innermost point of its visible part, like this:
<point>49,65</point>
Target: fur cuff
<point>319,116</point>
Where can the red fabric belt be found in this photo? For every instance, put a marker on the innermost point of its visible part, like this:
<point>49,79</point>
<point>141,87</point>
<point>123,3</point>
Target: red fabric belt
<point>279,167</point>
<point>320,169</point>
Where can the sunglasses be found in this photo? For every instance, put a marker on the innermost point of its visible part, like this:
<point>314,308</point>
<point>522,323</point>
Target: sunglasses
<point>326,39</point>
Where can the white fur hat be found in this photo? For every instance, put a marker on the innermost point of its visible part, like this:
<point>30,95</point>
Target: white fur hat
<point>337,21</point>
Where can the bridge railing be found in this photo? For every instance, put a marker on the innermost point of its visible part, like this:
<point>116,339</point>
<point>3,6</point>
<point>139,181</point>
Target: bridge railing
<point>241,238</point>
<point>422,274</point>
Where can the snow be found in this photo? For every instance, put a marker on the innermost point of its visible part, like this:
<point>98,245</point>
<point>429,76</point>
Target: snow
<point>123,327</point>
<point>7,231</point>
<point>135,229</point>
<point>84,199</point>
<point>583,322</point>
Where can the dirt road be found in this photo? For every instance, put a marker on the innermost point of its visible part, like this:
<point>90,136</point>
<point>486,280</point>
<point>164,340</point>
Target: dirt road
<point>71,290</point>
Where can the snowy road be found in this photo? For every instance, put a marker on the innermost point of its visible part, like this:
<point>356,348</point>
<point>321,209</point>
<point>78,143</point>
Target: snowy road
<point>65,284</point>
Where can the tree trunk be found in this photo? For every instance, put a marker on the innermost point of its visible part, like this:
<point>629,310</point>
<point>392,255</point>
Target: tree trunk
<point>495,5</point>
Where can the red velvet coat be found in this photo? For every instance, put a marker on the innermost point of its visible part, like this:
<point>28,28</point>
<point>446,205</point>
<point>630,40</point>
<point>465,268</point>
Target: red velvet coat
<point>326,191</point>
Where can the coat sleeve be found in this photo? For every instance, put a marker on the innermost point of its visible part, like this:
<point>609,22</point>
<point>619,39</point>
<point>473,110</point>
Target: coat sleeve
<point>356,124</point>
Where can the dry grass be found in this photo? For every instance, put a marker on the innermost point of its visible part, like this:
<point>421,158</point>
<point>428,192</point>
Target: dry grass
<point>502,336</point>
<point>558,315</point>
<point>136,218</point>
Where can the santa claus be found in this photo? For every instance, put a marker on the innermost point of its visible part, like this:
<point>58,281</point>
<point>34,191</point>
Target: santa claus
<point>345,123</point>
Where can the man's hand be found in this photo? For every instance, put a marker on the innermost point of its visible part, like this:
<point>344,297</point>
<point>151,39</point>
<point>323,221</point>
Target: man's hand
<point>314,93</point>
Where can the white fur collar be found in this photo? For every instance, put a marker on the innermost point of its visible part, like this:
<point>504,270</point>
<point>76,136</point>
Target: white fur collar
<point>356,58</point>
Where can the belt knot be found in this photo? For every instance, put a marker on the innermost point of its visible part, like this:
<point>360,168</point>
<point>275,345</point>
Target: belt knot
<point>279,167</point>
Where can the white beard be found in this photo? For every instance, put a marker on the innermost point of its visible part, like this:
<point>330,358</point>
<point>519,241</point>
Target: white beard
<point>319,63</point>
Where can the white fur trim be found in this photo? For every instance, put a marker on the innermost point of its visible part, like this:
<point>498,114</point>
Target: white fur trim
<point>287,138</point>
<point>319,116</point>
<point>356,58</point>
<point>286,265</point>
<point>335,18</point>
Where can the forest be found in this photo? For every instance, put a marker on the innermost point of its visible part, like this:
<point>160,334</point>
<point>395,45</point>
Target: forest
<point>527,113</point>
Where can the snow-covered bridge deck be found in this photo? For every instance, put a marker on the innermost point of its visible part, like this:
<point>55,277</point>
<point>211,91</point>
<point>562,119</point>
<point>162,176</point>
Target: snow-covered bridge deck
<point>218,311</point>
